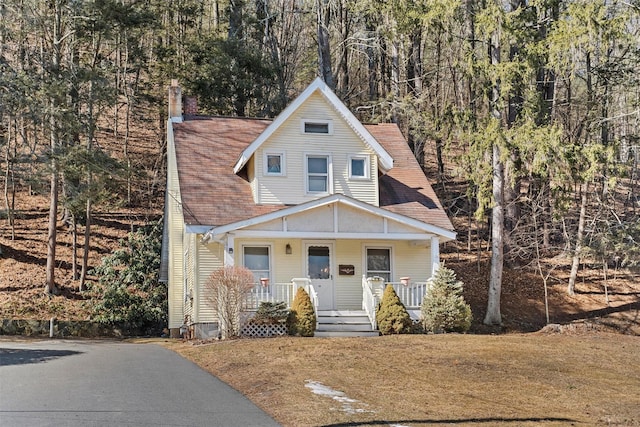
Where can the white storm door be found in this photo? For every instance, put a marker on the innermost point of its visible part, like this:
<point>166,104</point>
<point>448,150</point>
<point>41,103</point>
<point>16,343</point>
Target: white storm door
<point>319,261</point>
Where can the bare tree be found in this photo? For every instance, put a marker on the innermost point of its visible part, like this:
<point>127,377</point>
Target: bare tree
<point>227,290</point>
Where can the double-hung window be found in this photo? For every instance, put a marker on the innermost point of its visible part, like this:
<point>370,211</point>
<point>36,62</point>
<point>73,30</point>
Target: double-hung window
<point>318,168</point>
<point>379,263</point>
<point>256,259</point>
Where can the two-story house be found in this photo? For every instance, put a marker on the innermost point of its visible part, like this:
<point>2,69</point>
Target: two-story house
<point>312,198</point>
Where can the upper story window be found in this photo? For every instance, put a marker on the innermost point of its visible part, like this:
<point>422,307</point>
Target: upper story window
<point>317,127</point>
<point>359,167</point>
<point>274,164</point>
<point>318,174</point>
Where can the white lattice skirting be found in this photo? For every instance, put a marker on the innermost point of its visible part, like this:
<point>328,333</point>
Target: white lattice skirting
<point>263,331</point>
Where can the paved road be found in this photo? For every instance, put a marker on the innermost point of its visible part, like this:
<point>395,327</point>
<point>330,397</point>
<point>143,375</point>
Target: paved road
<point>96,383</point>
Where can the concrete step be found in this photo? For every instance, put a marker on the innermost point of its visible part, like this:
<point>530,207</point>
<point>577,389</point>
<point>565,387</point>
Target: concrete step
<point>354,327</point>
<point>338,334</point>
<point>343,323</point>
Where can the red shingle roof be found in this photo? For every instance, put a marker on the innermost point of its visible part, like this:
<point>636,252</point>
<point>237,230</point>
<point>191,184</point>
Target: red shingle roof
<point>212,195</point>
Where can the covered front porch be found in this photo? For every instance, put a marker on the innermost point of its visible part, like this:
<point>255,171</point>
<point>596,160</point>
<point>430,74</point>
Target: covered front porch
<point>411,294</point>
<point>342,251</point>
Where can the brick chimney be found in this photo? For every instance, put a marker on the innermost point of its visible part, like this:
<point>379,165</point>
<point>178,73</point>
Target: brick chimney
<point>175,102</point>
<point>190,105</point>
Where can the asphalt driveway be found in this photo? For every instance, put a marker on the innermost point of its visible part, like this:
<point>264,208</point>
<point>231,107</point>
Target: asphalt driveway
<point>107,383</point>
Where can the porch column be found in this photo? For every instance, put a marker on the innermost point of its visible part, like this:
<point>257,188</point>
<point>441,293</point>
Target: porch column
<point>228,250</point>
<point>435,255</point>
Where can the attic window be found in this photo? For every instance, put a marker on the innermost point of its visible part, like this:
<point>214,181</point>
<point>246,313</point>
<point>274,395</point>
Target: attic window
<point>358,167</point>
<point>274,164</point>
<point>317,127</point>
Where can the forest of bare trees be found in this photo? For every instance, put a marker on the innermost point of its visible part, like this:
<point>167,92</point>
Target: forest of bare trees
<point>536,103</point>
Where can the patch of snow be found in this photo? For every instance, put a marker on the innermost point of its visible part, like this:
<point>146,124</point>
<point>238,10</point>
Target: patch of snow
<point>348,405</point>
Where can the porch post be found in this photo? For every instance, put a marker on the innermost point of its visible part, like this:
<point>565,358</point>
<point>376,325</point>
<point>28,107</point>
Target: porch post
<point>228,250</point>
<point>435,255</point>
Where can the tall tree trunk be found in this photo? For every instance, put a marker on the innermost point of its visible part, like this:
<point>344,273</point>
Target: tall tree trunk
<point>493,316</point>
<point>235,19</point>
<point>575,260</point>
<point>51,286</point>
<point>324,51</point>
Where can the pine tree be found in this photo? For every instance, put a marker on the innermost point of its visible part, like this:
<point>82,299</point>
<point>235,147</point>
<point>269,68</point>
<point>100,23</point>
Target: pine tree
<point>444,308</point>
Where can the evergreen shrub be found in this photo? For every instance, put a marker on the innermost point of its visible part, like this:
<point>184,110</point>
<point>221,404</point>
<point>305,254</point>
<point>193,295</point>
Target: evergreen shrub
<point>391,315</point>
<point>271,313</point>
<point>444,308</point>
<point>302,317</point>
<point>128,282</point>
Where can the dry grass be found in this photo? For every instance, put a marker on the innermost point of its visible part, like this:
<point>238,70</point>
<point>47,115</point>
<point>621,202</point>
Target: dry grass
<point>412,380</point>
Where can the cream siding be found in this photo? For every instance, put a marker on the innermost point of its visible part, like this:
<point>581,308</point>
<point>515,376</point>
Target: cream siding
<point>411,261</point>
<point>343,142</point>
<point>175,224</point>
<point>210,258</point>
<point>189,277</point>
<point>253,182</point>
<point>348,289</point>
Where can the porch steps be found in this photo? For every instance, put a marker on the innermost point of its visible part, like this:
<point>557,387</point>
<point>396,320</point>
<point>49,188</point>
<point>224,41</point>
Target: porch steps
<point>343,323</point>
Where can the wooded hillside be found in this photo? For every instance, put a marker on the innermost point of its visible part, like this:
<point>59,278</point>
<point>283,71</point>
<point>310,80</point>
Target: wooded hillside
<point>525,115</point>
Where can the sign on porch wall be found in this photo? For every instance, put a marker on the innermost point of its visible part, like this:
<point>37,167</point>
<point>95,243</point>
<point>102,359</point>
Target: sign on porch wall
<point>346,270</point>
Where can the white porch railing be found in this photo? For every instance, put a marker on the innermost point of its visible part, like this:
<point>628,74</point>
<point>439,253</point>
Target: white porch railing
<point>410,294</point>
<point>369,302</point>
<point>274,292</point>
<point>314,297</point>
<point>277,292</point>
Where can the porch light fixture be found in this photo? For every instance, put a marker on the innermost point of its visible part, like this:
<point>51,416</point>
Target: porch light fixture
<point>287,249</point>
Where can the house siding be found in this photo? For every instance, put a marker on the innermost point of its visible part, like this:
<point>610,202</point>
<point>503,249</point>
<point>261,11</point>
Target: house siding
<point>189,276</point>
<point>343,142</point>
<point>210,258</point>
<point>175,224</point>
<point>411,261</point>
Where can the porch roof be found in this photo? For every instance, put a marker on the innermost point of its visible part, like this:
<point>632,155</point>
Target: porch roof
<point>317,223</point>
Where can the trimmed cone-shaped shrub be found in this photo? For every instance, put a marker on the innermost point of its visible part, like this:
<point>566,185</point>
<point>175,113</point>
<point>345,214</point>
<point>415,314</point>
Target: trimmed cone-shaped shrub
<point>392,316</point>
<point>444,308</point>
<point>302,317</point>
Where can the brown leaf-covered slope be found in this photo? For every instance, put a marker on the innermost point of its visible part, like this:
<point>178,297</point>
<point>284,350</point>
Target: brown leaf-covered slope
<point>22,263</point>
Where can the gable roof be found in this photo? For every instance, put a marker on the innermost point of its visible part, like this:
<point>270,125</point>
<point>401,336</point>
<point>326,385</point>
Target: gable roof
<point>385,160</point>
<point>213,195</point>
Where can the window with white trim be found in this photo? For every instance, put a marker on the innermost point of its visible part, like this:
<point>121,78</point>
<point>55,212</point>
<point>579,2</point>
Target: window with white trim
<point>359,167</point>
<point>256,259</point>
<point>317,127</point>
<point>379,263</point>
<point>318,179</point>
<point>274,164</point>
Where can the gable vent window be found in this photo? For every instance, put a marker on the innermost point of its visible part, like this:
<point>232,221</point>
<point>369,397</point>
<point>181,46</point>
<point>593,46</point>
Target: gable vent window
<point>318,127</point>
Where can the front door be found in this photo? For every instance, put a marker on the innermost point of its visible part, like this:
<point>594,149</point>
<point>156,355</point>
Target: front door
<point>320,271</point>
